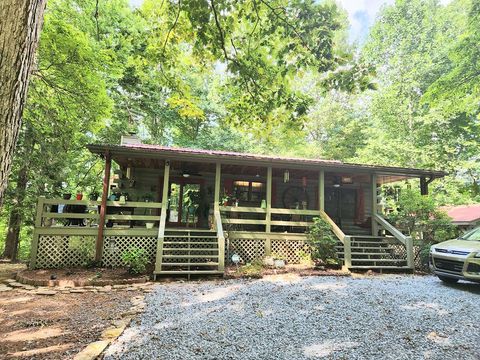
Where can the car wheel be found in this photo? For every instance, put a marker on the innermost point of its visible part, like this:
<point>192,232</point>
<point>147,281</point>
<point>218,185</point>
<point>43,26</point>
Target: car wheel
<point>447,279</point>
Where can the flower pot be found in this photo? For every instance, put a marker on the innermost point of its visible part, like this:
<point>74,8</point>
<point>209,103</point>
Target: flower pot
<point>79,196</point>
<point>67,196</point>
<point>149,225</point>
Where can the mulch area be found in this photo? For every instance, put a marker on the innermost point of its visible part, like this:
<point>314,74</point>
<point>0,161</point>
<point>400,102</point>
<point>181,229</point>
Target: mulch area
<point>79,277</point>
<point>295,269</point>
<point>56,327</point>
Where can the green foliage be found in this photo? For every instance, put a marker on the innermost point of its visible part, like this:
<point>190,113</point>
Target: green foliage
<point>419,217</point>
<point>251,270</point>
<point>85,246</point>
<point>323,241</point>
<point>136,260</point>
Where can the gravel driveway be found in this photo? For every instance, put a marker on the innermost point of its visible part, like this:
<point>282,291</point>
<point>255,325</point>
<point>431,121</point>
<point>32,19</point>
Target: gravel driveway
<point>288,317</point>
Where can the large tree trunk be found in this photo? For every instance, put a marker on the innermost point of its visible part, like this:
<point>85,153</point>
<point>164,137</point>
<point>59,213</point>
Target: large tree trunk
<point>16,216</point>
<point>20,25</point>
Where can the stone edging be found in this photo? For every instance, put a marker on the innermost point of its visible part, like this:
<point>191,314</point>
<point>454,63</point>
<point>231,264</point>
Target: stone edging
<point>12,284</point>
<point>21,278</point>
<point>96,348</point>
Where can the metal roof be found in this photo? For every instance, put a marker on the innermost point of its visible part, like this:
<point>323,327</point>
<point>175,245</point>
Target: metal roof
<point>187,154</point>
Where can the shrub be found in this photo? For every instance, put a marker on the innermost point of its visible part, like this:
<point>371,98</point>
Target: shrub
<point>323,242</point>
<point>252,270</point>
<point>418,216</point>
<point>85,247</point>
<point>136,260</point>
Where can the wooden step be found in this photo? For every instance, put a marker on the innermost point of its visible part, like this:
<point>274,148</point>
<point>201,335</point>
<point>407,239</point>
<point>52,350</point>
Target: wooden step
<point>191,249</point>
<point>190,264</point>
<point>188,272</point>
<point>366,267</point>
<point>191,242</point>
<point>379,260</point>
<point>364,253</point>
<point>191,236</point>
<point>195,256</point>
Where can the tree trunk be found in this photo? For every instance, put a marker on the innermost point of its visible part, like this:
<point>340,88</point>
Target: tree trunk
<point>16,217</point>
<point>20,25</point>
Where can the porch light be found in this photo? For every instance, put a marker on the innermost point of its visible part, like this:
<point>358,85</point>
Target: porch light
<point>336,182</point>
<point>185,174</point>
<point>286,176</point>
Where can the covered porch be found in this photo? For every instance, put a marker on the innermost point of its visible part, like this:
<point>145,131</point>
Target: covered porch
<point>192,209</point>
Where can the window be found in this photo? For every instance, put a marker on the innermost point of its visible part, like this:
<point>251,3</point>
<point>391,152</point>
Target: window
<point>249,191</point>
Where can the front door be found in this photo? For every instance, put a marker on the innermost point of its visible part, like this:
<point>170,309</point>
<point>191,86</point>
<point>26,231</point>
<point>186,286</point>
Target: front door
<point>184,202</point>
<point>340,204</point>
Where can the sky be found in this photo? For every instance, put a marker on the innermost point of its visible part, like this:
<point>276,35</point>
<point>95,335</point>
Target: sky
<point>361,14</point>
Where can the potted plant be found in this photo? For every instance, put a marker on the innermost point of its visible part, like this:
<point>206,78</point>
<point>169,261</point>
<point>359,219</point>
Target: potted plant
<point>93,195</point>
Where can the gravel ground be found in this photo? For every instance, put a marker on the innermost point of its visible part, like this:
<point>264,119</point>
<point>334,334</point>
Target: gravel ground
<point>288,317</point>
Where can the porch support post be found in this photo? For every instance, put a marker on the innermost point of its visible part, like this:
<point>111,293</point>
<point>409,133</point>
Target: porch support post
<point>268,215</point>
<point>321,190</point>
<point>374,205</point>
<point>103,208</point>
<point>36,236</point>
<point>423,186</point>
<point>216,213</point>
<point>218,175</point>
<point>163,218</point>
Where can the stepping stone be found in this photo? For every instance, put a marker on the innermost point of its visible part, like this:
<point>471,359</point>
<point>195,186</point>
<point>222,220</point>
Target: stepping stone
<point>45,292</point>
<point>16,285</point>
<point>5,288</point>
<point>8,281</point>
<point>92,351</point>
<point>78,291</point>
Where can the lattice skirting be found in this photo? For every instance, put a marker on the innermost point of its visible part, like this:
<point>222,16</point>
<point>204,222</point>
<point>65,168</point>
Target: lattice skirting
<point>255,249</point>
<point>398,251</point>
<point>248,249</point>
<point>292,250</point>
<point>115,246</point>
<point>56,251</point>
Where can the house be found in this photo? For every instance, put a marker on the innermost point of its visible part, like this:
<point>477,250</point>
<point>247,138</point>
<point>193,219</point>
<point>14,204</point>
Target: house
<point>192,209</point>
<point>466,217</point>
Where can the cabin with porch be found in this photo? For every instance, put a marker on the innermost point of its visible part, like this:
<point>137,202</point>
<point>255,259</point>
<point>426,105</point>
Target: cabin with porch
<point>191,210</point>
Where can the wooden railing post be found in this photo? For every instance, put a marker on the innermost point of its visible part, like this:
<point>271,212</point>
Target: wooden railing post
<point>347,252</point>
<point>103,208</point>
<point>163,218</point>
<point>35,238</point>
<point>374,205</point>
<point>409,250</point>
<point>218,219</point>
<point>268,214</point>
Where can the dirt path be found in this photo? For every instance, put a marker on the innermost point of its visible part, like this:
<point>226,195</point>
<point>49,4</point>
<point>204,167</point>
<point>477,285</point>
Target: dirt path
<point>56,327</point>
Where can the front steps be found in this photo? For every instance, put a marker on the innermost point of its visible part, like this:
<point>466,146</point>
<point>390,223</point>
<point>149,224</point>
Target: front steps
<point>189,252</point>
<point>373,252</point>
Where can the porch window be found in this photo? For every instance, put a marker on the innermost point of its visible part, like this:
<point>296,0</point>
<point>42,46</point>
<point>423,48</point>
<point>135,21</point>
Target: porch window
<point>249,191</point>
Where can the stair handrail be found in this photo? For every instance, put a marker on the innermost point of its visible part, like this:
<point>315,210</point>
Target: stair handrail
<point>346,240</point>
<point>397,234</point>
<point>221,239</point>
<point>336,230</point>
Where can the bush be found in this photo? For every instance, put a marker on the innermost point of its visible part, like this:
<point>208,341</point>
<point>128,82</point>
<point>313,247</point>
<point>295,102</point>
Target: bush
<point>136,260</point>
<point>324,242</point>
<point>252,270</point>
<point>418,216</point>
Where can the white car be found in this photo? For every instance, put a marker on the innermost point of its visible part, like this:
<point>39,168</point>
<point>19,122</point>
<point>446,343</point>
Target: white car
<point>457,259</point>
